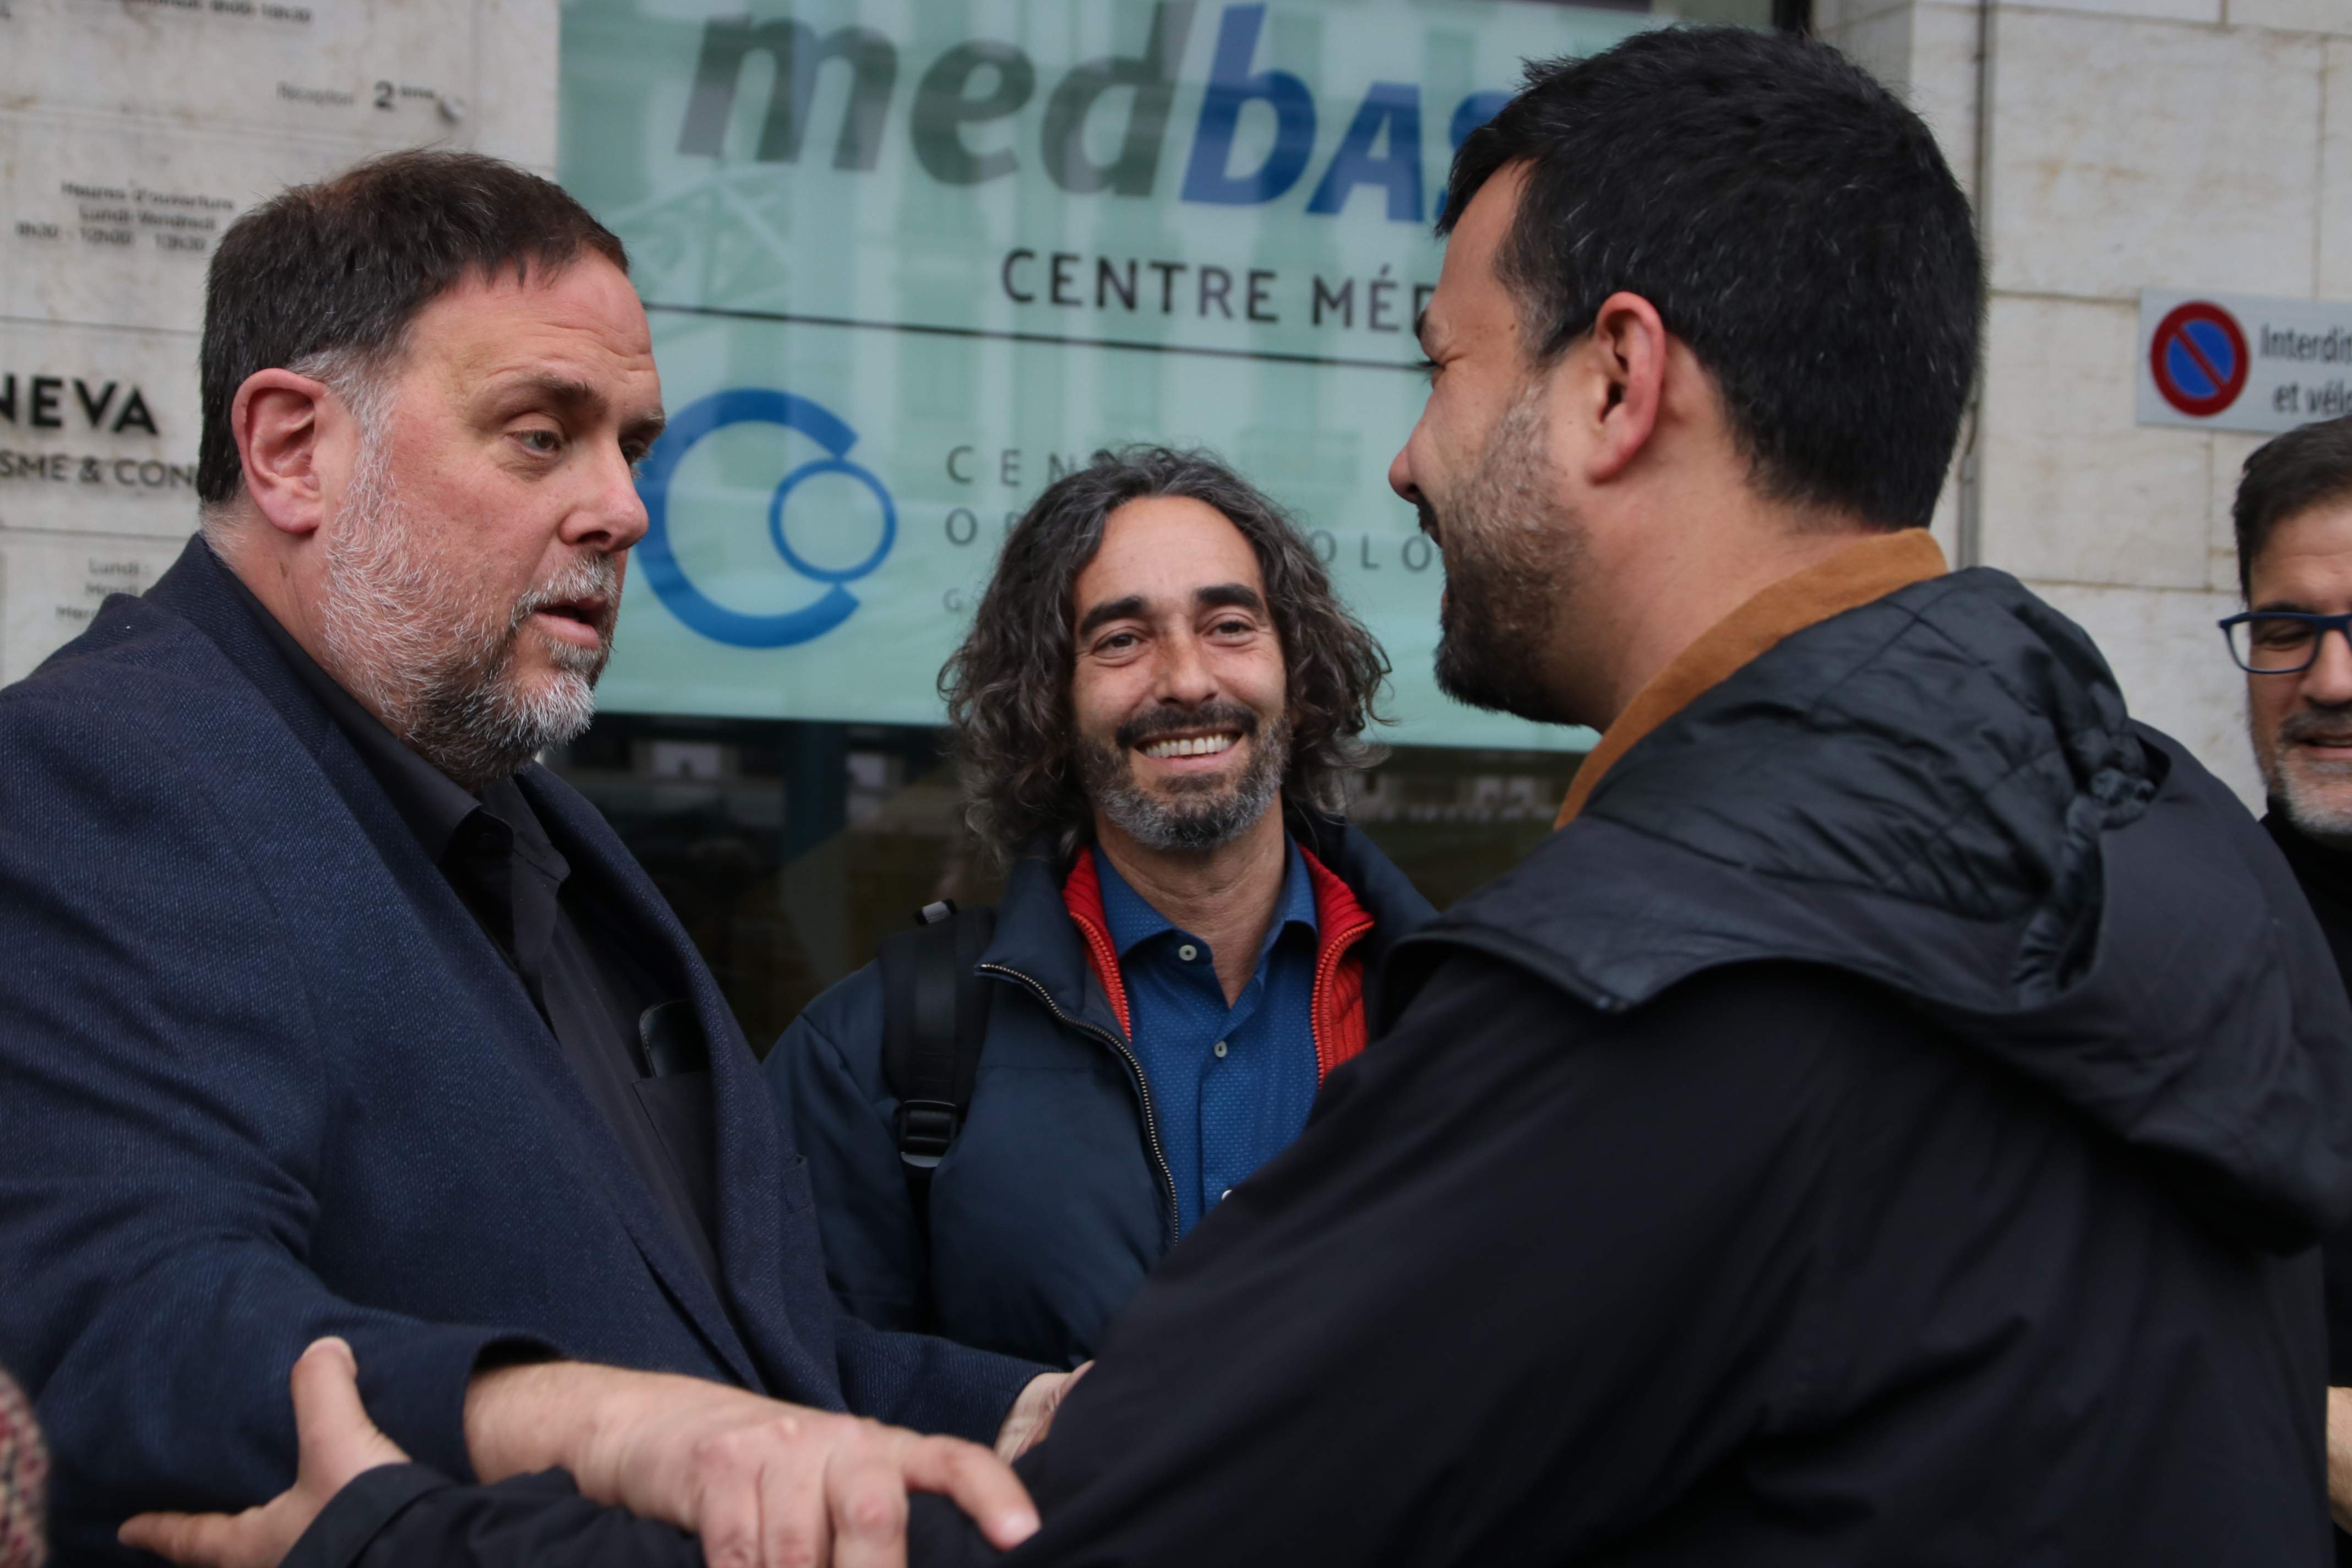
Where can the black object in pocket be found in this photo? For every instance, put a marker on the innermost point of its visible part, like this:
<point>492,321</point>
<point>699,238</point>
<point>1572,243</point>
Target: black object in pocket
<point>677,1100</point>
<point>672,1037</point>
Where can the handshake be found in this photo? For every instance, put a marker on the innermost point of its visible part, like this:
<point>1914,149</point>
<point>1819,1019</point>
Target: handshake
<point>762,1482</point>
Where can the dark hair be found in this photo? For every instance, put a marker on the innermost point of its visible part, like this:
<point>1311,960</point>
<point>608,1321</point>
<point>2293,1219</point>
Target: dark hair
<point>1008,686</point>
<point>344,266</point>
<point>2291,474</point>
<point>1791,222</point>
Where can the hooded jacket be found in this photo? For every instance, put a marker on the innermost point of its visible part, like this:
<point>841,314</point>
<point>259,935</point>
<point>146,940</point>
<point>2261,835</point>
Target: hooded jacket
<point>1053,1201</point>
<point>1889,1125</point>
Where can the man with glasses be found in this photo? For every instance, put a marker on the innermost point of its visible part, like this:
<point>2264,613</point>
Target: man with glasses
<point>2294,517</point>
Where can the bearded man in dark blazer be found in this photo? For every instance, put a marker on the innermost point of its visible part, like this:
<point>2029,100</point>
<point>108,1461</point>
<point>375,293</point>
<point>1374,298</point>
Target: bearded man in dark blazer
<point>327,1012</point>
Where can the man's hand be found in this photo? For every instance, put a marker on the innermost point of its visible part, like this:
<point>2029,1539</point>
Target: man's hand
<point>1032,1415</point>
<point>337,1441</point>
<point>762,1482</point>
<point>2339,1456</point>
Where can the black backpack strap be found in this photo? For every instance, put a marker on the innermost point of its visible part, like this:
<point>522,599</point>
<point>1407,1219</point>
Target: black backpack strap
<point>934,1021</point>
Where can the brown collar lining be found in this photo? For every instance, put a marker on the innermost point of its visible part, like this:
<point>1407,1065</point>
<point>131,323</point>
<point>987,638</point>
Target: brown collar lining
<point>1868,569</point>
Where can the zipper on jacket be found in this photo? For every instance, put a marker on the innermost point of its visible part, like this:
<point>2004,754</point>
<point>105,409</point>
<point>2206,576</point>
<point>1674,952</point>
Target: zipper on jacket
<point>1327,966</point>
<point>1134,1069</point>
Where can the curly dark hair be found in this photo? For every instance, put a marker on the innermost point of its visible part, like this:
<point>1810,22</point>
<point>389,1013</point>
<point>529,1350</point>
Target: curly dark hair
<point>1008,686</point>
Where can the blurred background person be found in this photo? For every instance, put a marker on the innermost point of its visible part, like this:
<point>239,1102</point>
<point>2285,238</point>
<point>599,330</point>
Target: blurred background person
<point>2294,523</point>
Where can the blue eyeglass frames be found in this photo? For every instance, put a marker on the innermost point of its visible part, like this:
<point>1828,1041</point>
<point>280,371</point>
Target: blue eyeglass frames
<point>2279,641</point>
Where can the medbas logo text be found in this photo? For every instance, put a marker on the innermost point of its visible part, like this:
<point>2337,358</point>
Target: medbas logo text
<point>979,81</point>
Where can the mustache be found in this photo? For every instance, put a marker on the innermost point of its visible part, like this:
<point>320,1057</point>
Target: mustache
<point>1428,515</point>
<point>592,579</point>
<point>2306,724</point>
<point>1144,728</point>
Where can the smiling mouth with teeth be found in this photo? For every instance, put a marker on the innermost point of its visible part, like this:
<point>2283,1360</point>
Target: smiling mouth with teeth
<point>1190,746</point>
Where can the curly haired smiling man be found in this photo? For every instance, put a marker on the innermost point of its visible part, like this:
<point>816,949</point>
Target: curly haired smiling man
<point>1152,712</point>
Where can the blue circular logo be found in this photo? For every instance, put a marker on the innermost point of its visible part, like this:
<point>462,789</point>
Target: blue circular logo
<point>659,561</point>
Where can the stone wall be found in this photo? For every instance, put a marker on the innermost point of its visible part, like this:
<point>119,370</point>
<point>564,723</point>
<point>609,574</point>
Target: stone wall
<point>2195,144</point>
<point>131,133</point>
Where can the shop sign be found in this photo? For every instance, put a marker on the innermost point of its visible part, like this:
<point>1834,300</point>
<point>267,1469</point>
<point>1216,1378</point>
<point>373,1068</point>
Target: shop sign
<point>906,264</point>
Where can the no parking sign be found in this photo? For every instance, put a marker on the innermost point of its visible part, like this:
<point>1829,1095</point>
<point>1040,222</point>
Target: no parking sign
<point>2237,362</point>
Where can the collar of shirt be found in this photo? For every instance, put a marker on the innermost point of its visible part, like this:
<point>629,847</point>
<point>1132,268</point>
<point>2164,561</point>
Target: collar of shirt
<point>1866,570</point>
<point>2311,862</point>
<point>495,856</point>
<point>1133,920</point>
<point>494,851</point>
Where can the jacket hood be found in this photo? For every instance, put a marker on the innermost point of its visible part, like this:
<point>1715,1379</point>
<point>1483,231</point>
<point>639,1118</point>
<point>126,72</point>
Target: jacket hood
<point>1941,792</point>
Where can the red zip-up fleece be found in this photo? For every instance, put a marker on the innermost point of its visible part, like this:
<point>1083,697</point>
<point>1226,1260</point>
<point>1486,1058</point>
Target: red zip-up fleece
<point>1335,1007</point>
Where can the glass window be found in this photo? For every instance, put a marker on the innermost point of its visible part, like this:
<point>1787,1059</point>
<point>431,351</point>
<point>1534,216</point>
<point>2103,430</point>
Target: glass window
<point>884,326</point>
<point>788,850</point>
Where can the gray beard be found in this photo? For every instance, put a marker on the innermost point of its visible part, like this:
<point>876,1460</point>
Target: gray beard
<point>412,639</point>
<point>1510,561</point>
<point>1204,814</point>
<point>2316,797</point>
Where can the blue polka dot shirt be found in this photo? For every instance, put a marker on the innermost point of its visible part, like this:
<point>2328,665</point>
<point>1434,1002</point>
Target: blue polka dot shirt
<point>1230,1085</point>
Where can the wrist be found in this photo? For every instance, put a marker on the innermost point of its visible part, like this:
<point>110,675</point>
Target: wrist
<point>612,1428</point>
<point>523,1419</point>
<point>612,1412</point>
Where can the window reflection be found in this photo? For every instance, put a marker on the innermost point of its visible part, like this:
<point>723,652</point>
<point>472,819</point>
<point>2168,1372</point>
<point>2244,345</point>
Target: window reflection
<point>789,848</point>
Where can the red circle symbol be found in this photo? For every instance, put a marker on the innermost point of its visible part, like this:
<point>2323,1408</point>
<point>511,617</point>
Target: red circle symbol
<point>2199,358</point>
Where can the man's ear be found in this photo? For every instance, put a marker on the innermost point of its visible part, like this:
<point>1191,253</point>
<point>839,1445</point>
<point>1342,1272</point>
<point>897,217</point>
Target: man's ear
<point>278,420</point>
<point>1624,384</point>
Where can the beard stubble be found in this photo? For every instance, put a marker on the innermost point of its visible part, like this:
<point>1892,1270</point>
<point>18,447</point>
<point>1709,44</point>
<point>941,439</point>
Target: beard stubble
<point>1512,557</point>
<point>433,657</point>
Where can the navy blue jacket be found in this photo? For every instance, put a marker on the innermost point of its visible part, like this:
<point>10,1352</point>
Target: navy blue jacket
<point>266,1079</point>
<point>1050,1207</point>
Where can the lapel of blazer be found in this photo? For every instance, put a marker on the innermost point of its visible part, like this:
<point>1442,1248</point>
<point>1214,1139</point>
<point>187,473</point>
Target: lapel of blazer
<point>749,1156</point>
<point>192,590</point>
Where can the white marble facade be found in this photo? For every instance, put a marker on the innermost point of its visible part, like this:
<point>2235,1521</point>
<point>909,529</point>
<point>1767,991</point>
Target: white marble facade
<point>131,133</point>
<point>2194,145</point>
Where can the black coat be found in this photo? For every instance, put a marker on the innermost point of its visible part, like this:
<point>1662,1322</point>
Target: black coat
<point>263,1078</point>
<point>1890,1125</point>
<point>2325,876</point>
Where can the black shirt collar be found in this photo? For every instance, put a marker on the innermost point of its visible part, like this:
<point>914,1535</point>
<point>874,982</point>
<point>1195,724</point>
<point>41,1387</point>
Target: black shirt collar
<point>428,800</point>
<point>2312,862</point>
